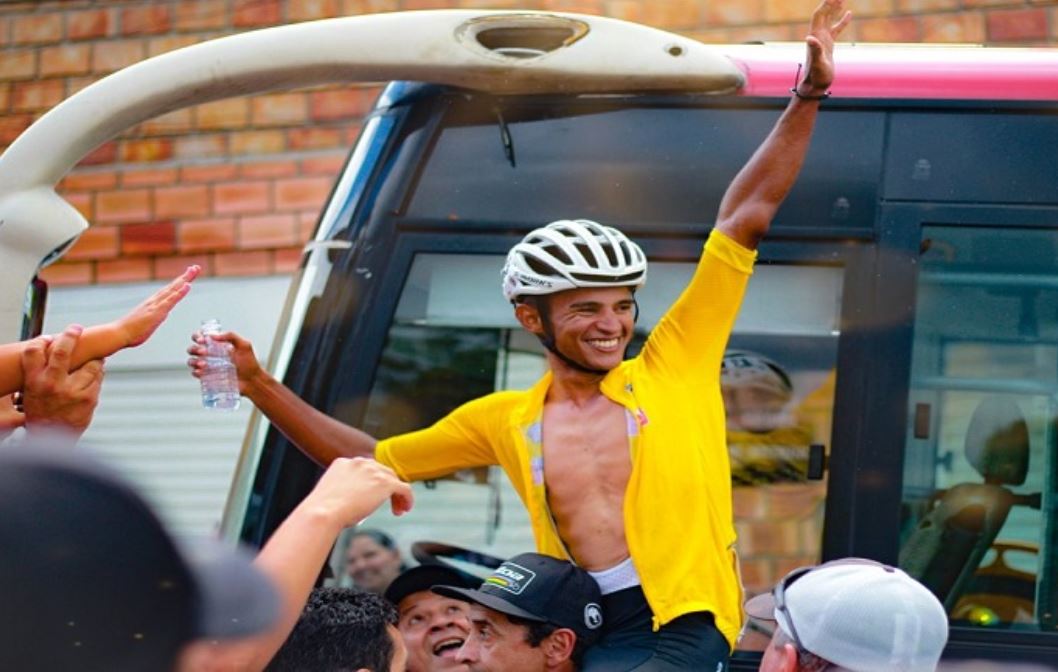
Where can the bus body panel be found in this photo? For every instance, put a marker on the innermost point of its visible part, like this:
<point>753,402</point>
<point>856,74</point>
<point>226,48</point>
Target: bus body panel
<point>881,180</point>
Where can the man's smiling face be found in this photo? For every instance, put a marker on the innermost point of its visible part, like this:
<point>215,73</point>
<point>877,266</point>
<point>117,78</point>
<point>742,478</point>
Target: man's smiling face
<point>591,326</point>
<point>434,628</point>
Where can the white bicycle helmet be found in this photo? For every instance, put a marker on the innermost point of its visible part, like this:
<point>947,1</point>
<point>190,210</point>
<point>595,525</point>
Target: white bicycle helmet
<point>570,254</point>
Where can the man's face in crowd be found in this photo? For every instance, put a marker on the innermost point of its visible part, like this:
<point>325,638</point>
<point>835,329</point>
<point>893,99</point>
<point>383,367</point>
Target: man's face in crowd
<point>434,628</point>
<point>497,645</point>
<point>592,326</point>
<point>371,565</point>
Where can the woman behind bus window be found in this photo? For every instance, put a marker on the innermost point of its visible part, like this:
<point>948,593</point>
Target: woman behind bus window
<point>373,560</point>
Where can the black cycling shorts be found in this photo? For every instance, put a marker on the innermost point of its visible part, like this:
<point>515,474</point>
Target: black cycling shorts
<point>690,642</point>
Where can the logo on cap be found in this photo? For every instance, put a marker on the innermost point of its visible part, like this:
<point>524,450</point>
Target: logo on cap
<point>592,616</point>
<point>511,577</point>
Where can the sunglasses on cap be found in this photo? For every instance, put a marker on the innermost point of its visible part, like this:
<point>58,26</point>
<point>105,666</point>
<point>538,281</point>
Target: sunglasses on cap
<point>778,593</point>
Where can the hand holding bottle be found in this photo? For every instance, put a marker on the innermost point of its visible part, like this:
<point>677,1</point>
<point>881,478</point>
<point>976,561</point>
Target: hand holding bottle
<point>219,378</point>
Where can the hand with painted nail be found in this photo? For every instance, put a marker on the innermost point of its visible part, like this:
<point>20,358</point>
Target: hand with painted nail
<point>104,340</point>
<point>144,319</point>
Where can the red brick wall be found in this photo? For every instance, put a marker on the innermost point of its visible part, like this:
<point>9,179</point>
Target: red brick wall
<point>236,185</point>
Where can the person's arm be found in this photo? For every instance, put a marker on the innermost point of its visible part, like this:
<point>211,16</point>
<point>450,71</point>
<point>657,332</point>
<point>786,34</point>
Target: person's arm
<point>104,340</point>
<point>316,434</point>
<point>347,492</point>
<point>688,342</point>
<point>755,194</point>
<point>53,397</point>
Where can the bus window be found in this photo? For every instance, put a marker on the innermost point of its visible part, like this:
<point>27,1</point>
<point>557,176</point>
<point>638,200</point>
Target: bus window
<point>454,338</point>
<point>984,397</point>
<point>778,381</point>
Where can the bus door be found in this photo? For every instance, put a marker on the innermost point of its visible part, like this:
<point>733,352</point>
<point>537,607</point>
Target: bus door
<point>978,521</point>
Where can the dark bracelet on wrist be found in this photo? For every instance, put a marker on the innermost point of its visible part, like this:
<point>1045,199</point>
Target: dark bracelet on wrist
<point>822,96</point>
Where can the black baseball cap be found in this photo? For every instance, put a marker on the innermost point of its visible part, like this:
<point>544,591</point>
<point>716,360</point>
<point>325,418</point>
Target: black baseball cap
<point>91,580</point>
<point>424,577</point>
<point>540,588</point>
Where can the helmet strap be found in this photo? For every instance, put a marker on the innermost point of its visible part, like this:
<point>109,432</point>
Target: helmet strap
<point>547,339</point>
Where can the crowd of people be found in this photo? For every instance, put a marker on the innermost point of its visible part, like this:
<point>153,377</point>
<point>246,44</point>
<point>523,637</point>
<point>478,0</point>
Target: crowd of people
<point>603,451</point>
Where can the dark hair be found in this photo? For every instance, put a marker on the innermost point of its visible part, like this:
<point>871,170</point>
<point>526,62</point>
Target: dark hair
<point>378,536</point>
<point>340,630</point>
<point>536,632</point>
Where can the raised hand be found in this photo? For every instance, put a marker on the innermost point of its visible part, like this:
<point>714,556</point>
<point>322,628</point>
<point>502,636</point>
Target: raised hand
<point>828,20</point>
<point>352,488</point>
<point>144,319</point>
<point>242,356</point>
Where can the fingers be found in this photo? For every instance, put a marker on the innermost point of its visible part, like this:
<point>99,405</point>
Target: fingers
<point>183,281</point>
<point>35,355</point>
<point>61,352</point>
<point>11,417</point>
<point>823,12</point>
<point>139,324</point>
<point>233,338</point>
<point>87,377</point>
<point>838,27</point>
<point>197,366</point>
<point>826,17</point>
<point>177,289</point>
<point>402,499</point>
<point>169,295</point>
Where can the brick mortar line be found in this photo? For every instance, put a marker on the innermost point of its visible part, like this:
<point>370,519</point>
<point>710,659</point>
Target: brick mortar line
<point>237,160</point>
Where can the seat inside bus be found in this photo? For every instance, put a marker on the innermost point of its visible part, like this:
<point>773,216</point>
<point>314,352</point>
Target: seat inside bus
<point>951,539</point>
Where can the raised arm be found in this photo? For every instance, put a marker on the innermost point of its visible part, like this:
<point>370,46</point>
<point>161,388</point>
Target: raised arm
<point>759,188</point>
<point>104,340</point>
<point>346,493</point>
<point>316,434</point>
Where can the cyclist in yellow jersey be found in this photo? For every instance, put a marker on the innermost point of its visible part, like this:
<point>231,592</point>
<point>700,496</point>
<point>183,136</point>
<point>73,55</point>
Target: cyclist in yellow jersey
<point>622,465</point>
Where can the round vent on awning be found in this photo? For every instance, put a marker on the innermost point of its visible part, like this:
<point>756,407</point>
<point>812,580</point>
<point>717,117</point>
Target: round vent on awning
<point>520,36</point>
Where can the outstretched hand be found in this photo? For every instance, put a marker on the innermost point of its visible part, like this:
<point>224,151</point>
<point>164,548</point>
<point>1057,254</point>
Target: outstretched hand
<point>242,356</point>
<point>828,21</point>
<point>144,319</point>
<point>54,396</point>
<point>352,488</point>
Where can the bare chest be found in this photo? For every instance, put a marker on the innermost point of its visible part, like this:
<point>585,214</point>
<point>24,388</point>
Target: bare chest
<point>586,455</point>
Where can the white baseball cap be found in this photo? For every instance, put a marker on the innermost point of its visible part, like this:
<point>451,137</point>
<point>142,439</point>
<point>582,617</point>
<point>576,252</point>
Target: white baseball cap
<point>859,614</point>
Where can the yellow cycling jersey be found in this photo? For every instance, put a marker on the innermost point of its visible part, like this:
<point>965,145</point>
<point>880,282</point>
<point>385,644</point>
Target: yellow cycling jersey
<point>677,509</point>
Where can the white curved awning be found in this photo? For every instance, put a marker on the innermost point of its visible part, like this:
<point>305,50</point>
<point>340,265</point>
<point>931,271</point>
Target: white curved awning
<point>502,52</point>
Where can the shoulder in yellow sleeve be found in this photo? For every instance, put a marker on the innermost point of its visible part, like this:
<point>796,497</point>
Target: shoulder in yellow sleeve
<point>731,253</point>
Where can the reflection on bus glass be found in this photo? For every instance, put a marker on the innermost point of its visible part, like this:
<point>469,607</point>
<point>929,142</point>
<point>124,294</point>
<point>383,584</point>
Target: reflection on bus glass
<point>771,422</point>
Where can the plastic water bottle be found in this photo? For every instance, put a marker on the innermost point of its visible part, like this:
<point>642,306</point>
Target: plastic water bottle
<point>220,380</point>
